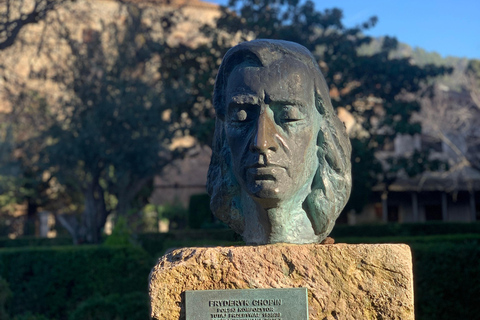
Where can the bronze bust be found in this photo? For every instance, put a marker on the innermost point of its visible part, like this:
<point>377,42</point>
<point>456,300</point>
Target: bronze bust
<point>280,169</point>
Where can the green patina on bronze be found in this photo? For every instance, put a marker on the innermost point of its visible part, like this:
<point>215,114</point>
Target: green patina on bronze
<point>280,168</point>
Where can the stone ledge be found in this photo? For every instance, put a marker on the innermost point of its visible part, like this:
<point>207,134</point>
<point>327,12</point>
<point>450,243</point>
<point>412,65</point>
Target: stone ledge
<point>344,281</point>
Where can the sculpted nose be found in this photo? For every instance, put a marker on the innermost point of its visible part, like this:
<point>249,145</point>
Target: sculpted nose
<point>265,137</point>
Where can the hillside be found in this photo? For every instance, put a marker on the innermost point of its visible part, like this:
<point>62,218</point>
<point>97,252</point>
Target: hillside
<point>420,56</point>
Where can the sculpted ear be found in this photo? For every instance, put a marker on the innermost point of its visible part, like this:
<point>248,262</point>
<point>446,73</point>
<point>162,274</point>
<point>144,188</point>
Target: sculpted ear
<point>316,213</point>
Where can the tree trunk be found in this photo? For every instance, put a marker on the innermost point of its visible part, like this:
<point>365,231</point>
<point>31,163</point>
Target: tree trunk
<point>93,218</point>
<point>95,214</point>
<point>29,227</point>
<point>70,223</point>
<point>128,194</point>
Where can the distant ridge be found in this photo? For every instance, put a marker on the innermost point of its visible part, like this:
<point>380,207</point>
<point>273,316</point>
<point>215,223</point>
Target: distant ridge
<point>176,3</point>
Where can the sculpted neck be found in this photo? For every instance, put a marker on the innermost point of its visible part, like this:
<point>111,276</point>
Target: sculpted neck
<point>290,225</point>
<point>288,222</point>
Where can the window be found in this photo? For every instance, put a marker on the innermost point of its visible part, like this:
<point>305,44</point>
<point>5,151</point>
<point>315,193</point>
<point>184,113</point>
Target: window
<point>433,212</point>
<point>393,215</point>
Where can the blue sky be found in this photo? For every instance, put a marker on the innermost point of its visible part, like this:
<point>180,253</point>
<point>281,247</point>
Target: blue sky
<point>449,27</point>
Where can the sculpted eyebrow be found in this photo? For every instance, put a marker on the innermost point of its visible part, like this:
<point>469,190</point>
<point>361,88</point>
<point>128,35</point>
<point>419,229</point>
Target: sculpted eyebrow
<point>285,102</point>
<point>296,103</point>
<point>244,99</point>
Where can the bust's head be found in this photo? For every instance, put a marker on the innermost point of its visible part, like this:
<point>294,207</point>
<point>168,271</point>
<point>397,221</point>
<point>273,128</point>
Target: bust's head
<point>280,168</point>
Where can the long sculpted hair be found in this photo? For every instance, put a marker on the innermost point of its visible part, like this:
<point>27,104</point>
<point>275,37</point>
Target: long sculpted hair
<point>331,185</point>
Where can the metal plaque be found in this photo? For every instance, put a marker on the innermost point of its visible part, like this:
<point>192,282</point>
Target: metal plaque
<point>248,304</point>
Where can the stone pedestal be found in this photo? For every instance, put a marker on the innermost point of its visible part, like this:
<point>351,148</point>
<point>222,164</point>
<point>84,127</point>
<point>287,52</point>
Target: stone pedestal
<point>344,281</point>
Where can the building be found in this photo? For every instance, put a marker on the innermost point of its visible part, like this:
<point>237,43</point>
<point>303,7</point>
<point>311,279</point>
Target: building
<point>450,122</point>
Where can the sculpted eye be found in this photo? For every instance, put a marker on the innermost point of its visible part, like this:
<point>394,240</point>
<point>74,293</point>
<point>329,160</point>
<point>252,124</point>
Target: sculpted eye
<point>241,115</point>
<point>291,114</point>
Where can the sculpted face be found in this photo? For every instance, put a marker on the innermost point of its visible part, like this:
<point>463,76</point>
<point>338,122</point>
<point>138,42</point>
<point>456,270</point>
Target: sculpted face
<point>280,167</point>
<point>271,126</point>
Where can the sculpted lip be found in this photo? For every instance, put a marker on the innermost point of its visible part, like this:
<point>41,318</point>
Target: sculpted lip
<point>264,172</point>
<point>267,165</point>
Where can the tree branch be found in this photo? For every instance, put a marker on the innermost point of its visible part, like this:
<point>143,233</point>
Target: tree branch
<point>11,28</point>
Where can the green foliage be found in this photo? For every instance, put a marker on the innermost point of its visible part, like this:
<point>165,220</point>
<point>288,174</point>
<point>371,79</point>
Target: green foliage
<point>31,241</point>
<point>132,306</point>
<point>156,243</point>
<point>413,165</point>
<point>176,214</point>
<point>30,316</point>
<point>447,282</point>
<point>111,135</point>
<point>366,168</point>
<point>474,68</point>
<point>172,211</point>
<point>111,283</point>
<point>121,234</point>
<point>22,180</point>
<point>469,238</point>
<point>53,281</point>
<point>358,77</point>
<point>9,170</point>
<point>5,294</point>
<point>405,229</point>
<point>199,213</point>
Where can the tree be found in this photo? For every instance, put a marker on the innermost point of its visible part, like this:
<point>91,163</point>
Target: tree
<point>116,135</point>
<point>16,14</point>
<point>472,75</point>
<point>21,179</point>
<point>128,93</point>
<point>473,87</point>
<point>109,130</point>
<point>368,86</point>
<point>453,117</point>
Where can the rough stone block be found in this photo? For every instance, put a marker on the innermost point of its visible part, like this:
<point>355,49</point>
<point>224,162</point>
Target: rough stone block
<point>344,281</point>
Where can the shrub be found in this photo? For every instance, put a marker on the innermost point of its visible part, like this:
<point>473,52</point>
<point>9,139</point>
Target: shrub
<point>31,241</point>
<point>30,316</point>
<point>199,213</point>
<point>156,243</point>
<point>121,234</point>
<point>405,229</point>
<point>447,281</point>
<point>175,213</point>
<point>132,306</point>
<point>53,281</point>
<point>5,294</point>
<point>449,238</point>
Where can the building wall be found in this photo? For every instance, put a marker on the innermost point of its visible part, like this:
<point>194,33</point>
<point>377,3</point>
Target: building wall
<point>182,179</point>
<point>400,208</point>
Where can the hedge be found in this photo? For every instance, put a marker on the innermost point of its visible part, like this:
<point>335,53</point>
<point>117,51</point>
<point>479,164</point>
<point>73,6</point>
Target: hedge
<point>447,281</point>
<point>101,283</point>
<point>405,229</point>
<point>54,281</point>
<point>157,243</point>
<point>154,242</point>
<point>199,213</point>
<point>446,267</point>
<point>470,238</point>
<point>31,241</point>
<point>133,306</point>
